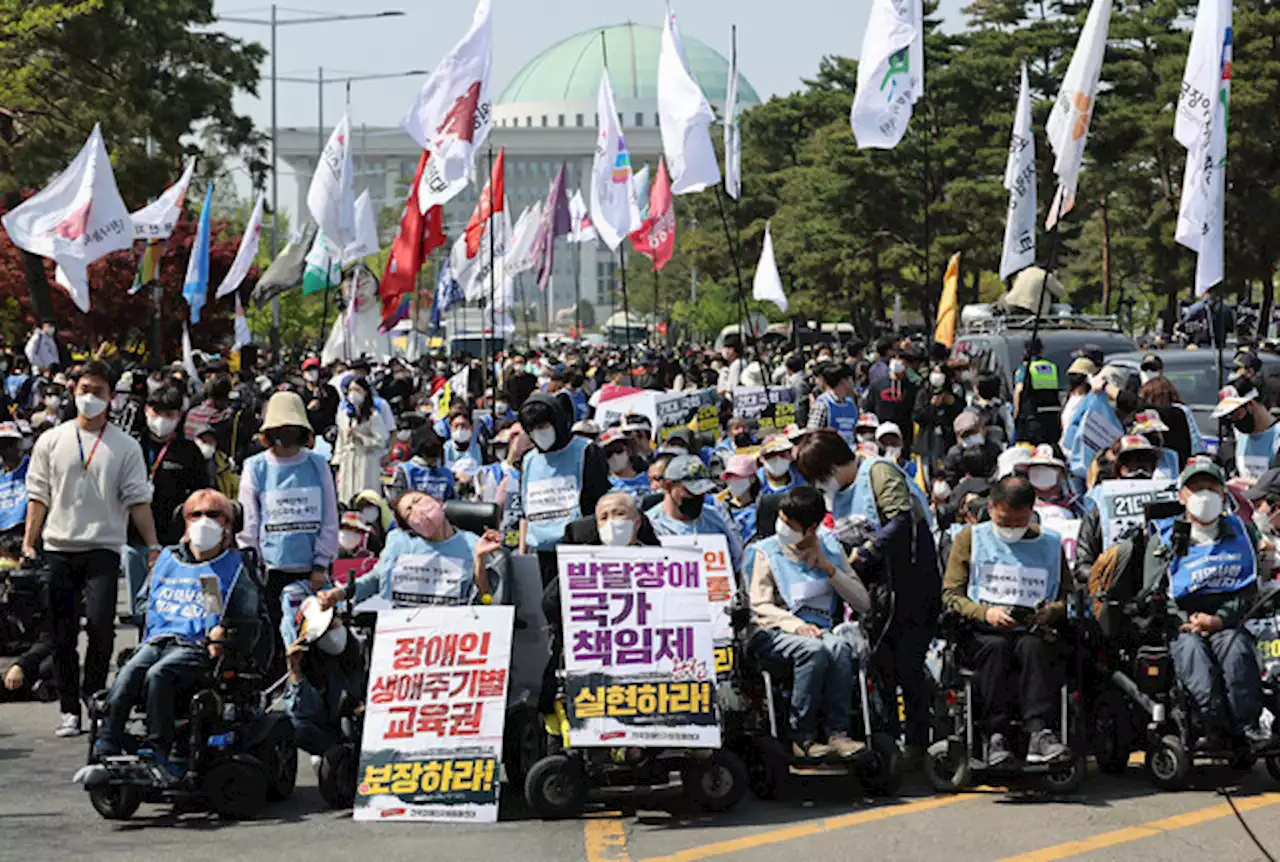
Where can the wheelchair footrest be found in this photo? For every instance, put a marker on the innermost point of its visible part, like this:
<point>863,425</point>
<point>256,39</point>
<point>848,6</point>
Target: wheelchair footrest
<point>808,770</point>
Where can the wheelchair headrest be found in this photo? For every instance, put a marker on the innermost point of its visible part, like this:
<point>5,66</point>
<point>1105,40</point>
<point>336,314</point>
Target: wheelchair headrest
<point>472,516</point>
<point>767,514</point>
<point>237,515</point>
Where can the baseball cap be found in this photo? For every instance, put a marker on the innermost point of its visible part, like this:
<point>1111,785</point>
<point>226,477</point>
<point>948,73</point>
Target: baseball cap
<point>887,428</point>
<point>613,435</point>
<point>1266,488</point>
<point>309,363</point>
<point>966,423</point>
<point>775,444</point>
<point>738,467</point>
<point>692,473</point>
<point>1044,455</point>
<point>1082,365</point>
<point>867,420</point>
<point>1148,421</point>
<point>1230,400</point>
<point>1200,465</point>
<point>1134,443</point>
<point>1011,459</point>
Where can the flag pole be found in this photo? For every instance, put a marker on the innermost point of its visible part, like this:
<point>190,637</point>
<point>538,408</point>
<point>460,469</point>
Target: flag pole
<point>626,307</point>
<point>493,274</point>
<point>656,277</point>
<point>324,315</point>
<point>577,290</point>
<point>737,271</point>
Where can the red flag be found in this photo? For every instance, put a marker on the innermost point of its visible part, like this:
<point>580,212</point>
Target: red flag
<point>419,233</point>
<point>656,238</point>
<point>490,202</point>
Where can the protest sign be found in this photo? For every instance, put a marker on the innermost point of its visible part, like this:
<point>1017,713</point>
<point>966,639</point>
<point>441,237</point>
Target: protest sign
<point>717,569</point>
<point>667,411</point>
<point>639,660</point>
<point>1068,529</point>
<point>434,715</point>
<point>1121,503</point>
<point>773,408</point>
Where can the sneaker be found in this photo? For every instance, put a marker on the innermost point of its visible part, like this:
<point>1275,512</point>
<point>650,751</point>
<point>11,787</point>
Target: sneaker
<point>69,726</point>
<point>810,750</point>
<point>1257,738</point>
<point>316,760</point>
<point>1043,747</point>
<point>998,754</point>
<point>845,748</point>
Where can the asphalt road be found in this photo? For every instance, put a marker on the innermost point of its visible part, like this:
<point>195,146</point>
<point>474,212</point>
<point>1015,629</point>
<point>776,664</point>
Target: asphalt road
<point>44,817</point>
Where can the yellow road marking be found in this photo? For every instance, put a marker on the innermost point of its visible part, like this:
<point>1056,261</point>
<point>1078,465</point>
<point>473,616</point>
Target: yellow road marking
<point>807,830</point>
<point>1146,830</point>
<point>605,838</point>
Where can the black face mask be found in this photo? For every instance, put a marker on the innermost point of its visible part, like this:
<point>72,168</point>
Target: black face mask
<point>1245,423</point>
<point>742,439</point>
<point>1074,381</point>
<point>286,437</point>
<point>691,507</point>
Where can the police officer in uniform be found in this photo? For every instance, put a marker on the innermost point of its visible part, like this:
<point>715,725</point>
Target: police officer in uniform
<point>1039,409</point>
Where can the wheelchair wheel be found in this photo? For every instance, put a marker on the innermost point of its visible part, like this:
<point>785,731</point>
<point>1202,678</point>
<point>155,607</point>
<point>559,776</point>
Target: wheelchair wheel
<point>115,801</point>
<point>1110,734</point>
<point>236,789</point>
<point>337,778</point>
<point>762,774</point>
<point>946,764</point>
<point>1066,777</point>
<point>883,773</point>
<point>555,787</point>
<point>278,754</point>
<point>524,743</point>
<point>1168,763</point>
<point>715,784</point>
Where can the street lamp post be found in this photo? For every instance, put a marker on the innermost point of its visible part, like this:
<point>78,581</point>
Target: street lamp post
<point>273,23</point>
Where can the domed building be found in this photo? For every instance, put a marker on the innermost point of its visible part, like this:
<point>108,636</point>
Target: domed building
<point>544,117</point>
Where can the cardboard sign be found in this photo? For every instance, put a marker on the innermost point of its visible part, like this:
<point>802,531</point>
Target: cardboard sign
<point>722,586</point>
<point>773,408</point>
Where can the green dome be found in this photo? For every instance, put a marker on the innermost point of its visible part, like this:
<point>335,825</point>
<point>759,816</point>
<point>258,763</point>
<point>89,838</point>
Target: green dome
<point>569,71</point>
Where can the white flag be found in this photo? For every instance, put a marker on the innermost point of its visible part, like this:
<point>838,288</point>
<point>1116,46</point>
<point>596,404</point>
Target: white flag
<point>76,219</point>
<point>685,117</point>
<point>243,336</point>
<point>890,73</point>
<point>732,132</point>
<point>331,199</point>
<point>519,256</point>
<point>366,237</point>
<point>188,355</point>
<point>582,229</point>
<point>767,285</point>
<point>1020,180</point>
<point>157,219</point>
<point>473,273</point>
<point>245,254</point>
<point>454,112</point>
<point>1068,125</point>
<point>615,212</point>
<point>1202,208</point>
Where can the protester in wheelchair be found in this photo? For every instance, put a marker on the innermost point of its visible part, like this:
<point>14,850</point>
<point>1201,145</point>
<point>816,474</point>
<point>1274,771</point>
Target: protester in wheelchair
<point>798,581</point>
<point>181,638</point>
<point>1004,578</point>
<point>1209,574</point>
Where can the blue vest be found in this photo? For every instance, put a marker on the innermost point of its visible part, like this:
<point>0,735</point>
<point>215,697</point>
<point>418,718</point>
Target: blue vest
<point>1226,566</point>
<point>807,592</point>
<point>433,481</point>
<point>793,479</point>
<point>13,383</point>
<point>745,518</point>
<point>551,492</point>
<point>433,573</point>
<point>842,416</point>
<point>13,496</point>
<point>637,486</point>
<point>290,509</point>
<point>1000,572</point>
<point>452,455</point>
<point>1255,451</point>
<point>175,605</point>
<point>859,499</point>
<point>580,405</point>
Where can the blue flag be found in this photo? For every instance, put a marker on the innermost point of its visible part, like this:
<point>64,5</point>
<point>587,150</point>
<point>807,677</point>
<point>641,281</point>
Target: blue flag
<point>196,285</point>
<point>448,292</point>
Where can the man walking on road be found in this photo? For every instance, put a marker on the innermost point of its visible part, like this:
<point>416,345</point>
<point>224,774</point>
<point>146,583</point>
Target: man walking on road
<point>86,475</point>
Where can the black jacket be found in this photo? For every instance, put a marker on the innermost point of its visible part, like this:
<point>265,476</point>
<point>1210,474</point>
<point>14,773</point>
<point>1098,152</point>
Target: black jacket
<point>595,469</point>
<point>182,472</point>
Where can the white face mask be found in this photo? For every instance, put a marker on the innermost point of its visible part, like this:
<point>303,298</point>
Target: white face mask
<point>897,366</point>
<point>942,490</point>
<point>52,402</point>
<point>462,436</point>
<point>973,441</point>
<point>786,534</point>
<point>403,436</point>
<point>349,540</point>
<point>777,467</point>
<point>893,453</point>
<point>1205,506</point>
<point>311,375</point>
<point>370,514</point>
<point>618,461</point>
<point>206,449</point>
<point>829,486</point>
<point>617,533</point>
<point>1147,376</point>
<point>161,426</point>
<point>90,406</point>
<point>1010,534</point>
<point>204,534</point>
<point>544,438</point>
<point>739,487</point>
<point>937,379</point>
<point>355,399</point>
<point>1043,477</point>
<point>501,408</point>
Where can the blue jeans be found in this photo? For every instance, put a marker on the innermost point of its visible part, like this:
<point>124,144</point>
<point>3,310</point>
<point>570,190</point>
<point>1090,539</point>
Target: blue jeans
<point>823,674</point>
<point>134,563</point>
<point>1222,664</point>
<point>166,669</point>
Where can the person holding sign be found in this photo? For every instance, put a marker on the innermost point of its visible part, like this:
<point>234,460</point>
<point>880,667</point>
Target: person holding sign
<point>290,505</point>
<point>683,510</point>
<point>1210,582</point>
<point>181,638</point>
<point>1257,436</point>
<point>1006,577</point>
<point>1115,505</point>
<point>799,584</point>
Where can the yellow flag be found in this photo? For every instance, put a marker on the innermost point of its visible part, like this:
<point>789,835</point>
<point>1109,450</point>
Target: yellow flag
<point>949,304</point>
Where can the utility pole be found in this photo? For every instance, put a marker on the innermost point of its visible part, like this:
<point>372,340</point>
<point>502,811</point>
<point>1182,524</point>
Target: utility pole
<point>1106,260</point>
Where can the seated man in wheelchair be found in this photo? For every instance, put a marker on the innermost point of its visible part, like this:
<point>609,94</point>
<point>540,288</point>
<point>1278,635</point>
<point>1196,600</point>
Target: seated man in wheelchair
<point>180,640</point>
<point>1005,578</point>
<point>1210,575</point>
<point>798,581</point>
